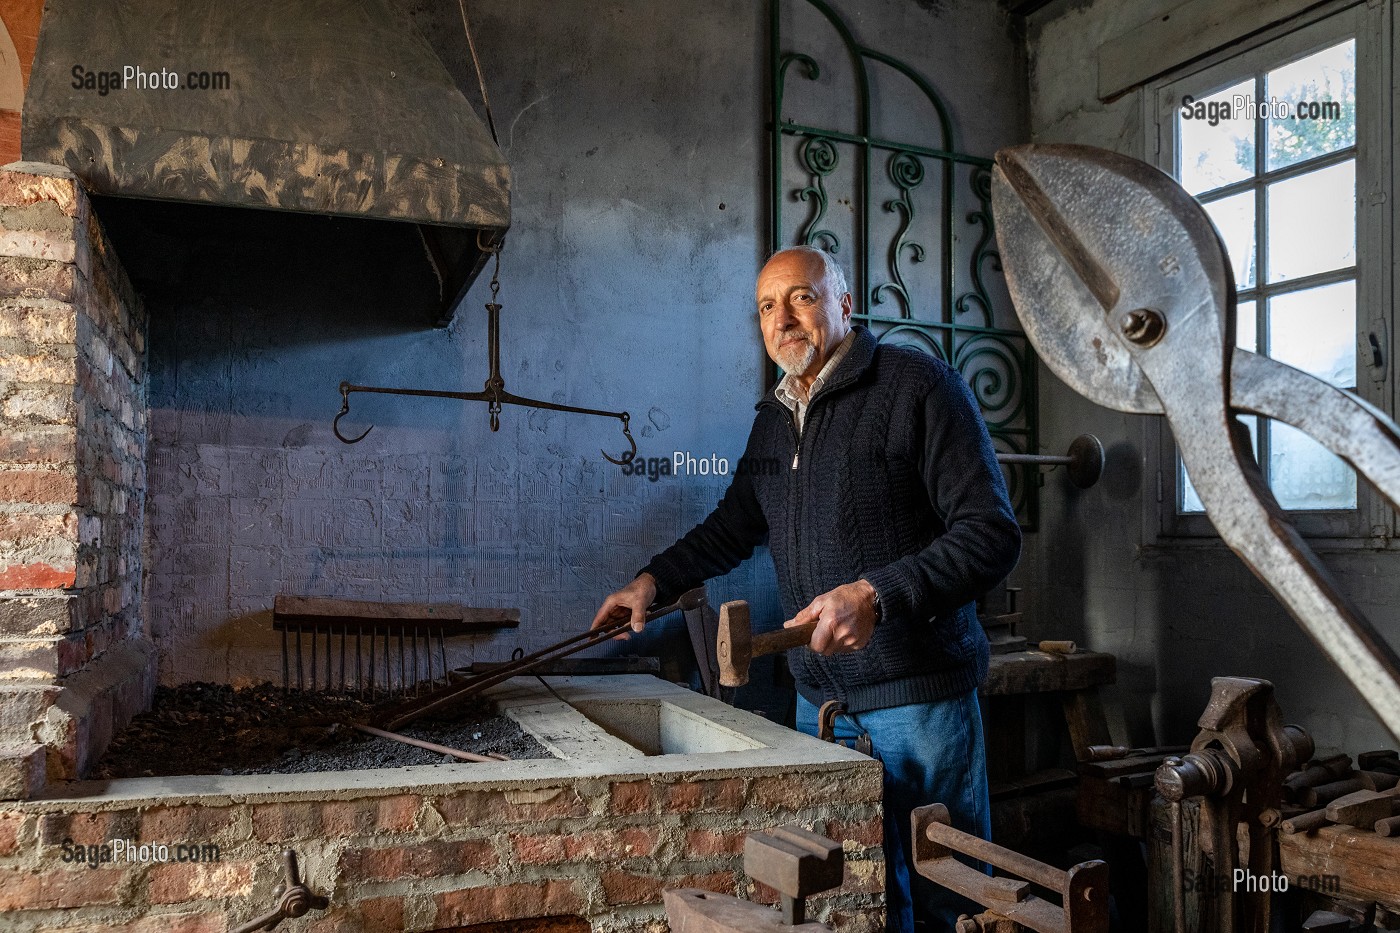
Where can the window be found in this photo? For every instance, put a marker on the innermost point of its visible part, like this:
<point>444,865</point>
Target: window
<point>1271,141</point>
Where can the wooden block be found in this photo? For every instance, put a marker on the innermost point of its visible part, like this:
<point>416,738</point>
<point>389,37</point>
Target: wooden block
<point>1087,723</point>
<point>309,612</point>
<point>1365,860</point>
<point>1038,672</point>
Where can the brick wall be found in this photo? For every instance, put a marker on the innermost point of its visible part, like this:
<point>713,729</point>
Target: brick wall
<point>74,661</point>
<point>597,848</point>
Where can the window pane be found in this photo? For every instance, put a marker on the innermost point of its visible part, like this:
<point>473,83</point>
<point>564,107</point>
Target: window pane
<point>1312,222</point>
<point>1305,475</point>
<point>1234,218</point>
<point>1246,326</point>
<point>1190,499</point>
<point>1320,94</point>
<point>1212,156</point>
<point>1315,330</point>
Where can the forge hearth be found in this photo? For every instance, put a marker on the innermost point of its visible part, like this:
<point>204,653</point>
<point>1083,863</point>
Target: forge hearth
<point>653,786</point>
<point>203,728</point>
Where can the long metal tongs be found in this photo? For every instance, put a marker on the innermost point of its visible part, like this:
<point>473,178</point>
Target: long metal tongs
<point>494,394</point>
<point>1123,286</point>
<point>455,693</point>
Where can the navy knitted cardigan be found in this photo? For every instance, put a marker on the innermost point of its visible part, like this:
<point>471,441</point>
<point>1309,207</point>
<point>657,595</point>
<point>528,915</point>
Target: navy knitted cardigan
<point>894,480</point>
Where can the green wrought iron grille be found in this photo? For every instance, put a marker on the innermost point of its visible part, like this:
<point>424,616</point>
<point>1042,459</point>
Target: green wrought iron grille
<point>933,284</point>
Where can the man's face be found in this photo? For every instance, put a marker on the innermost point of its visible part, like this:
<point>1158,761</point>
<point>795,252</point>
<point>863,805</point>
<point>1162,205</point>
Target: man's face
<point>801,320</point>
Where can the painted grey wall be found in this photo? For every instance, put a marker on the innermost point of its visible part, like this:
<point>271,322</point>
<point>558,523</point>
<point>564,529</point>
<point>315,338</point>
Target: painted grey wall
<point>1175,614</point>
<point>635,133</point>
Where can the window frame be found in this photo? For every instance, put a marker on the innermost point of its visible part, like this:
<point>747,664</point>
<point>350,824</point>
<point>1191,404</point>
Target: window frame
<point>1372,24</point>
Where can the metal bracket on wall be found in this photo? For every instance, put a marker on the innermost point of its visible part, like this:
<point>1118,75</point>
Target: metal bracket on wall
<point>494,394</point>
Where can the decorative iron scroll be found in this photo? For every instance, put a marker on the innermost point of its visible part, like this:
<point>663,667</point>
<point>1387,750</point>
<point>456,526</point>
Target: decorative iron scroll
<point>964,324</point>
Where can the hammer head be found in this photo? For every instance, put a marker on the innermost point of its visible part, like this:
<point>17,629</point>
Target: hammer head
<point>734,645</point>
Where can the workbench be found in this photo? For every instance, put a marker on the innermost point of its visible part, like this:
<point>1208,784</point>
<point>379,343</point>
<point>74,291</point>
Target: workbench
<point>1014,676</point>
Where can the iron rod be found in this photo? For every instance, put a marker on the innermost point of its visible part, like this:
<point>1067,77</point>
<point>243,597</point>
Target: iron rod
<point>442,655</point>
<point>428,639</point>
<point>313,658</point>
<point>300,684</point>
<point>371,664</point>
<point>430,746</point>
<point>403,679</point>
<point>507,671</point>
<point>286,664</point>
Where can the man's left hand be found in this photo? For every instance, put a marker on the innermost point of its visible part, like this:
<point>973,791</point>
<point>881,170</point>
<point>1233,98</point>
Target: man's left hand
<point>845,618</point>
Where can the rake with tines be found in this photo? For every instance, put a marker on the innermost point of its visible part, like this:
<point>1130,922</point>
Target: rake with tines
<point>374,649</point>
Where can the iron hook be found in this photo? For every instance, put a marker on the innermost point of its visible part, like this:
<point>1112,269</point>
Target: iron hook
<point>345,410</point>
<point>627,433</point>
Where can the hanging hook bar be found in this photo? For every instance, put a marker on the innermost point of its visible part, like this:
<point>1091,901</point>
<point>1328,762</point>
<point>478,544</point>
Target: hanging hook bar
<point>495,399</point>
<point>494,393</point>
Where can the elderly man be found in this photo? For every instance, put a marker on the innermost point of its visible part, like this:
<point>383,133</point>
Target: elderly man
<point>891,518</point>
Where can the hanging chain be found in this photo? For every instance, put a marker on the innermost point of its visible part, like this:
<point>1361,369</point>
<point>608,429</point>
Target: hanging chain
<point>496,278</point>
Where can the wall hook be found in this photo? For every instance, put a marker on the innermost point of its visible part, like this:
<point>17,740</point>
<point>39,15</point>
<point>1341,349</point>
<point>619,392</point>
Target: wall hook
<point>345,389</point>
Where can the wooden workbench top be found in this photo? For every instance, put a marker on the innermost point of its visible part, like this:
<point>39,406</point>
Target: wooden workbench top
<point>1041,672</point>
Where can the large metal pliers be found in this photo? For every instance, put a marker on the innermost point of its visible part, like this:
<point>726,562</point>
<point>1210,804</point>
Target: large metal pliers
<point>1123,286</point>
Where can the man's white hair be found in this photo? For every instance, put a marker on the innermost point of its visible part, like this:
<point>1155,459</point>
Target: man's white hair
<point>835,278</point>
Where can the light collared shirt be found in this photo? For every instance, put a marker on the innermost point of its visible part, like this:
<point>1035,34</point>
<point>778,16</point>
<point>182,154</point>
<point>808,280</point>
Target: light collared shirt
<point>787,390</point>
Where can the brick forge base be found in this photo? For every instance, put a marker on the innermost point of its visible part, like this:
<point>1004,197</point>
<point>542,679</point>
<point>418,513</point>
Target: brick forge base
<point>583,842</point>
<point>75,660</point>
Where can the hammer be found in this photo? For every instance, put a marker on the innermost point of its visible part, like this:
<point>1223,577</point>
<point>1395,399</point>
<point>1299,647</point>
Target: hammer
<point>737,646</point>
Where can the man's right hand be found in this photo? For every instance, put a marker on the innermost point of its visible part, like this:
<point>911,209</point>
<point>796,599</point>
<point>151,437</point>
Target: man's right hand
<point>633,599</point>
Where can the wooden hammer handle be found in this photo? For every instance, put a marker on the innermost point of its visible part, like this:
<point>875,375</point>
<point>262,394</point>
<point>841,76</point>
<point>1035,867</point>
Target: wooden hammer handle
<point>783,639</point>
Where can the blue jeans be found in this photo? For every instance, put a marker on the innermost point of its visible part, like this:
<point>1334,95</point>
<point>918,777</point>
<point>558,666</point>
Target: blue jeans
<point>932,753</point>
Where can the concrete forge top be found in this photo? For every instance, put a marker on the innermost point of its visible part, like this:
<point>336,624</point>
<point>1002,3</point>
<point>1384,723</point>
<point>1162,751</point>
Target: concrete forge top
<point>621,726</point>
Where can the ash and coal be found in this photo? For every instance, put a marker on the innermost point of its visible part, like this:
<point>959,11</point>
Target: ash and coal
<point>203,728</point>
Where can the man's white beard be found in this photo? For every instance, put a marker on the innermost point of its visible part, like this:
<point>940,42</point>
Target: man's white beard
<point>796,359</point>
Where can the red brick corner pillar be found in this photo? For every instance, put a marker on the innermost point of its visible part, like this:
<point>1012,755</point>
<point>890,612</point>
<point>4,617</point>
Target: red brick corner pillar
<point>75,661</point>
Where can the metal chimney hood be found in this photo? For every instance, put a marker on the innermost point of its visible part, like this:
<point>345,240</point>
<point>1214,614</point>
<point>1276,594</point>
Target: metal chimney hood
<point>330,107</point>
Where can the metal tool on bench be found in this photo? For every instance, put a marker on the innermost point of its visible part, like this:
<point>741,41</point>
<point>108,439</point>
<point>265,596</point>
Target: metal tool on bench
<point>1082,890</point>
<point>374,648</point>
<point>452,694</point>
<point>793,861</point>
<point>737,646</point>
<point>1362,799</point>
<point>1123,286</point>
